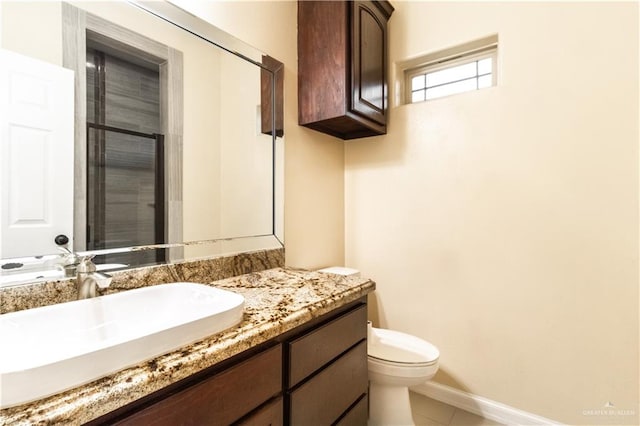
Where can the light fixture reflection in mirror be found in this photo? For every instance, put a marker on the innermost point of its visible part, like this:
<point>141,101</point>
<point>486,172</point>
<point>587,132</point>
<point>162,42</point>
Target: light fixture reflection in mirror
<point>171,141</point>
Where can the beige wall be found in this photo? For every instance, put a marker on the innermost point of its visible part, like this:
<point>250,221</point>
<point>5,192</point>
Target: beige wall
<point>246,166</point>
<point>502,225</point>
<point>314,163</point>
<point>34,34</point>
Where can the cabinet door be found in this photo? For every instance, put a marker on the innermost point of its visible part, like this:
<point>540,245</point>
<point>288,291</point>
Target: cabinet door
<point>369,51</point>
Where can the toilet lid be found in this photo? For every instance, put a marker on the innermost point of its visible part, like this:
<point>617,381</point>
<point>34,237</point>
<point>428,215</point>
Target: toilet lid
<point>395,346</point>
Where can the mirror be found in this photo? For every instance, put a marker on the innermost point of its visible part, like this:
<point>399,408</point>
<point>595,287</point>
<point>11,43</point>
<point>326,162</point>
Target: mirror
<point>134,131</point>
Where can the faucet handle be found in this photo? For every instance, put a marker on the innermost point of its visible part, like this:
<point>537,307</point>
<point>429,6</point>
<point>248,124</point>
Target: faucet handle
<point>67,261</point>
<point>86,265</point>
<point>68,256</point>
<point>65,250</point>
<point>103,280</point>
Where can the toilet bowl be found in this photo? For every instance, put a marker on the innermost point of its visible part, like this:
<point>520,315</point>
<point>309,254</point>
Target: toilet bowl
<point>396,361</point>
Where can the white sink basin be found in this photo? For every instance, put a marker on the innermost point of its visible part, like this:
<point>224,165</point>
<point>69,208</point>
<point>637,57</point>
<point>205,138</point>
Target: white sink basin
<point>54,348</point>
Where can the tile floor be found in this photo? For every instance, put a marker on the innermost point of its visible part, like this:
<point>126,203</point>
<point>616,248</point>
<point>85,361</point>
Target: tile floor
<point>429,412</point>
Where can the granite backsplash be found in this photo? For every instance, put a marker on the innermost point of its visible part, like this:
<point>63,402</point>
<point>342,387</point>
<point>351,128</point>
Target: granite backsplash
<point>33,295</point>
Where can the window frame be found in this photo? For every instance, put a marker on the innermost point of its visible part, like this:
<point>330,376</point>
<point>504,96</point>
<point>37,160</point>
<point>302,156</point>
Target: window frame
<point>449,61</point>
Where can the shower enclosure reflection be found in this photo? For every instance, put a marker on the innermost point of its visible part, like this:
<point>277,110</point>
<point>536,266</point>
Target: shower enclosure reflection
<point>125,156</point>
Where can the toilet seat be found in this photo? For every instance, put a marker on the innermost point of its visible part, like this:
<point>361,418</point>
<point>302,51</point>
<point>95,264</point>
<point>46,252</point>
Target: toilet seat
<point>399,363</point>
<point>396,348</point>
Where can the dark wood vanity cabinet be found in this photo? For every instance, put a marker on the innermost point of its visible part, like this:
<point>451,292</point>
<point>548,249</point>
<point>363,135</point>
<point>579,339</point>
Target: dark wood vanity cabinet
<point>342,67</point>
<point>315,374</point>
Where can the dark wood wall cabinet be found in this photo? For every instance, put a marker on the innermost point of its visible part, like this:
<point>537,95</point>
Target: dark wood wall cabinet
<point>342,67</point>
<point>315,374</point>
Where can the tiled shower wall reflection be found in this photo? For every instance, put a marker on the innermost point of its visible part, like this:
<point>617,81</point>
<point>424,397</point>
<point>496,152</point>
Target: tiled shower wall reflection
<point>124,180</point>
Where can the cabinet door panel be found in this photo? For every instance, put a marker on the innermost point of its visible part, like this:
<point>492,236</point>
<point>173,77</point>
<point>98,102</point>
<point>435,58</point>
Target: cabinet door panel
<point>323,399</point>
<point>369,58</point>
<point>221,399</point>
<point>322,60</point>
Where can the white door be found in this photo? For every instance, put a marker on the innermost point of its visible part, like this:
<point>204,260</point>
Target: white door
<point>36,155</point>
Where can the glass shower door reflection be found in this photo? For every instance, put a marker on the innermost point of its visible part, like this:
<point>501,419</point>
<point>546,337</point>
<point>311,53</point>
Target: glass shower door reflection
<point>125,200</point>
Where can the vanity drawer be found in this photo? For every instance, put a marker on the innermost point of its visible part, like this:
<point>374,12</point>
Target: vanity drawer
<point>269,415</point>
<point>327,395</point>
<point>357,415</point>
<point>313,350</point>
<point>220,399</point>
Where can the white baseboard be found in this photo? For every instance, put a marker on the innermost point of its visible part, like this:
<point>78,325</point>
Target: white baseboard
<point>480,406</point>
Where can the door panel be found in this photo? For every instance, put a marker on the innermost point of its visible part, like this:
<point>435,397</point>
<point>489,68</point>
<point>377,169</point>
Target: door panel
<point>36,161</point>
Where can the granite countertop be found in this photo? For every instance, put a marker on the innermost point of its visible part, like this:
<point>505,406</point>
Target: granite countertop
<point>276,301</point>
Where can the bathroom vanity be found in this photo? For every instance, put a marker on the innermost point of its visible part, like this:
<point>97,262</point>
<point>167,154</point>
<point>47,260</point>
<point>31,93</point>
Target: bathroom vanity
<point>298,357</point>
<point>322,365</point>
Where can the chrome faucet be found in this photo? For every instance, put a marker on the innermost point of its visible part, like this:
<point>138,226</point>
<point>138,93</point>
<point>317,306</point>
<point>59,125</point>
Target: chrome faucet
<point>89,279</point>
<point>69,262</point>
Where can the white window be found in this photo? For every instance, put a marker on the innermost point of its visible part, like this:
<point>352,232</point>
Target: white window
<point>460,69</point>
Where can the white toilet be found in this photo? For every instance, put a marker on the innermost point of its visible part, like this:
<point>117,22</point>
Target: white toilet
<point>396,361</point>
